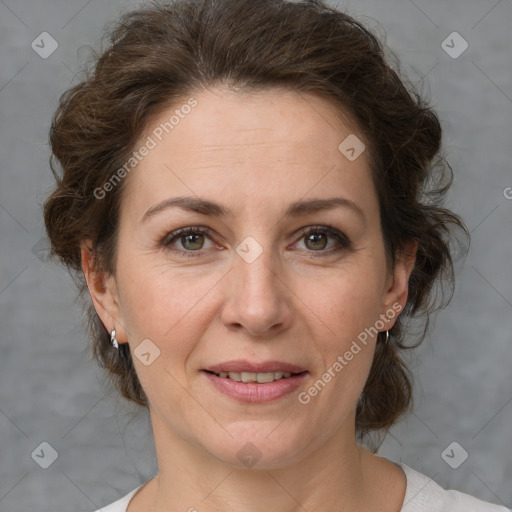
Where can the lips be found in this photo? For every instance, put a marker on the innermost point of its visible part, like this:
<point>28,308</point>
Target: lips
<point>240,366</point>
<point>261,378</point>
<point>236,386</point>
<point>252,382</point>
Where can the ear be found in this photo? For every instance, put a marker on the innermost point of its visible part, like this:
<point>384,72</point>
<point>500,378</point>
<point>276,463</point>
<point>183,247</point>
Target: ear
<point>397,286</point>
<point>103,291</point>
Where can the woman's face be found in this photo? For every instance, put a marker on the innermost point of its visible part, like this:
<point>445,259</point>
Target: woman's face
<point>266,274</point>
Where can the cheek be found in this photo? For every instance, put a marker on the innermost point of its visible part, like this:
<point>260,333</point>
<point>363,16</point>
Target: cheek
<point>346,310</point>
<point>163,304</point>
<point>349,302</point>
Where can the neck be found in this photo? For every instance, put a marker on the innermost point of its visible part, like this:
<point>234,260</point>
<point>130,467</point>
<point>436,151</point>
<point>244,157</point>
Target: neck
<point>335,475</point>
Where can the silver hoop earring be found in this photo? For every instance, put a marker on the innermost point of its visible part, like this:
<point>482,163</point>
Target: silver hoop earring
<point>387,337</point>
<point>113,339</point>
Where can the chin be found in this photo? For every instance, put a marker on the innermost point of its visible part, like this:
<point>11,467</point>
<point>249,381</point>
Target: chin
<point>256,449</point>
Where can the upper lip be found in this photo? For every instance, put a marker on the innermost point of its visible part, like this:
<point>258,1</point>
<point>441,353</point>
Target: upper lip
<point>241,365</point>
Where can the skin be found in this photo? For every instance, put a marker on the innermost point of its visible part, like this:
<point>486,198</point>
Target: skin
<point>254,153</point>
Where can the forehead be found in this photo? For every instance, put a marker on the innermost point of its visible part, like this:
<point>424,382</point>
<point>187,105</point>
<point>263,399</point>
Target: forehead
<point>274,144</point>
<point>264,119</point>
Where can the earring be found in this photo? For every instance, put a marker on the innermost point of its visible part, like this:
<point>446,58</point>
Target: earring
<point>387,337</point>
<point>113,340</point>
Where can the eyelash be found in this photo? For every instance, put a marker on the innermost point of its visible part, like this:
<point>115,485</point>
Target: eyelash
<point>343,241</point>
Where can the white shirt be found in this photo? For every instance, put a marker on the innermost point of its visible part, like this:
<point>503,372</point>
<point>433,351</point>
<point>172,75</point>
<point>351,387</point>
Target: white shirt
<point>422,495</point>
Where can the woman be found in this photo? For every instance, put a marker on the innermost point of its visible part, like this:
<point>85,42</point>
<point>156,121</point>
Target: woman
<point>251,198</point>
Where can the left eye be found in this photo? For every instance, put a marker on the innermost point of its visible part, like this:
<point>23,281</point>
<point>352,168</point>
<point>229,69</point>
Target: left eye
<point>317,239</point>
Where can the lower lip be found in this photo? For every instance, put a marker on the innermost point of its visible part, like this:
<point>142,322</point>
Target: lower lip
<point>254,392</point>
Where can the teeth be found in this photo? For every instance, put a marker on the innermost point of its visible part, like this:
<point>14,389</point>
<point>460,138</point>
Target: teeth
<point>250,377</point>
<point>255,377</point>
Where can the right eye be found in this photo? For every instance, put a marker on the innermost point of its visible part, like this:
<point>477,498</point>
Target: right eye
<point>191,239</point>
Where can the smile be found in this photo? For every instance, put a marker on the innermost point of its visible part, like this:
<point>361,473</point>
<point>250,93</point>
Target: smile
<point>255,388</point>
<point>261,378</point>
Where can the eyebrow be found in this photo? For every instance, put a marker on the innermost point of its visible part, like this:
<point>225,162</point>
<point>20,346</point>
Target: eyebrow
<point>296,209</point>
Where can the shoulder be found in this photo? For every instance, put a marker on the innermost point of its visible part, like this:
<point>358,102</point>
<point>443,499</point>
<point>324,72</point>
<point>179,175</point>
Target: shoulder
<point>425,495</point>
<point>121,504</point>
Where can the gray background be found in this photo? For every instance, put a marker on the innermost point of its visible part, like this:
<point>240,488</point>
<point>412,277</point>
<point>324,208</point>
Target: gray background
<point>51,392</point>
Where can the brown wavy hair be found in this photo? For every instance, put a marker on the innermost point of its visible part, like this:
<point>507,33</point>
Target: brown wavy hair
<point>160,53</point>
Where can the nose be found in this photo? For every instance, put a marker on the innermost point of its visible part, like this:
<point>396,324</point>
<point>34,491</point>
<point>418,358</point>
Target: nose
<point>257,297</point>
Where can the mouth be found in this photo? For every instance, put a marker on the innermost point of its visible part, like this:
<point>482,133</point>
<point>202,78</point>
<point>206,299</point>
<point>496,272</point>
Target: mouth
<point>255,383</point>
<point>259,377</point>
